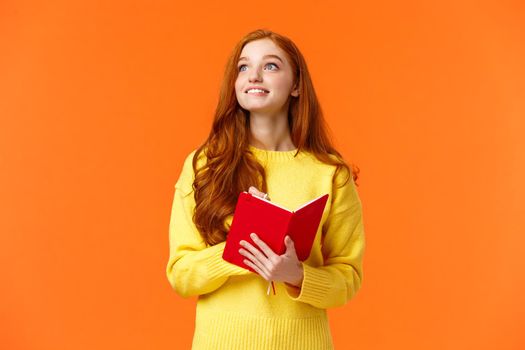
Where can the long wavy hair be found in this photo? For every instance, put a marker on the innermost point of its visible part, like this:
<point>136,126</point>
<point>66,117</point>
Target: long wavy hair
<point>230,166</point>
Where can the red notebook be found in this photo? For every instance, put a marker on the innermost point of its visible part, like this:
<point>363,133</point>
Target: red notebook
<point>272,223</point>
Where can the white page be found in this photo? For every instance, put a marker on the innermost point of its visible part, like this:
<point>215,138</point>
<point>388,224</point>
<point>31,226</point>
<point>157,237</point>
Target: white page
<point>313,200</point>
<point>277,205</point>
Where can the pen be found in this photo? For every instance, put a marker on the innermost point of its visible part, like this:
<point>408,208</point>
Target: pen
<point>270,284</point>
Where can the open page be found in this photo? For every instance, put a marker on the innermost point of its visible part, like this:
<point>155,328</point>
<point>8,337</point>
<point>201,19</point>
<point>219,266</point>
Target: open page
<point>304,205</point>
<point>267,201</point>
<point>277,205</point>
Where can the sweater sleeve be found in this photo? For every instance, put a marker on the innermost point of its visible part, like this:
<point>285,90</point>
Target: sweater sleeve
<point>193,268</point>
<point>337,281</point>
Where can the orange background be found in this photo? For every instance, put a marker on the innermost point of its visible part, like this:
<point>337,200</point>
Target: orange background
<point>101,101</point>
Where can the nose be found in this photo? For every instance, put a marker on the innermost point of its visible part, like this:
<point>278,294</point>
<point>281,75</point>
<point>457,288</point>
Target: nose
<point>255,75</point>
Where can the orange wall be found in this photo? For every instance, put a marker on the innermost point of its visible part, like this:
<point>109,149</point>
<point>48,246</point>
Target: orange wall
<point>101,101</point>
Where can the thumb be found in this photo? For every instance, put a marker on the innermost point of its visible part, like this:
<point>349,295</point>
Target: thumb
<point>290,246</point>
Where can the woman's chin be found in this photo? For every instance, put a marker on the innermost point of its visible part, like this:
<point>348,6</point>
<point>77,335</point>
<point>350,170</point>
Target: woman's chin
<point>261,108</point>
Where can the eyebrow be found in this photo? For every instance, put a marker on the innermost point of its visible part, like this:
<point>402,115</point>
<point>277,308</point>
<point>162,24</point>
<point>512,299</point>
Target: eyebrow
<point>265,56</point>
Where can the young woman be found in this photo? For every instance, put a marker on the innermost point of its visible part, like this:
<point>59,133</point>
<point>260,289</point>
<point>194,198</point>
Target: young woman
<point>269,138</point>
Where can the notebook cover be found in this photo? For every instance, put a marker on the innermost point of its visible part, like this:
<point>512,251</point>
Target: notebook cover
<point>304,224</point>
<point>271,223</point>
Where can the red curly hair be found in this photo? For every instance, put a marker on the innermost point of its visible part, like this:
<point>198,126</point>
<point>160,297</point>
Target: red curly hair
<point>230,166</point>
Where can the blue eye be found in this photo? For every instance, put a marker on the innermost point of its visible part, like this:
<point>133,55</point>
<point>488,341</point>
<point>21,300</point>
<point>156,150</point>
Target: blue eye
<point>243,65</point>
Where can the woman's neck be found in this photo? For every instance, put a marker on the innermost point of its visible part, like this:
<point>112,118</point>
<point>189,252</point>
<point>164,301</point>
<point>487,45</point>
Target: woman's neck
<point>270,132</point>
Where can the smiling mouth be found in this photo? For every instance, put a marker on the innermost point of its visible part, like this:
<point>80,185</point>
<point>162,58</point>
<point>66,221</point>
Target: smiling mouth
<point>257,91</point>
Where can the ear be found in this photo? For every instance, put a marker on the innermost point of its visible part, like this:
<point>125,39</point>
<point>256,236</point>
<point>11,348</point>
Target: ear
<point>295,91</point>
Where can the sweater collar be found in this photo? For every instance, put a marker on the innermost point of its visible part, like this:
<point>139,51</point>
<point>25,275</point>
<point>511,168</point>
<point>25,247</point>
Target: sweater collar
<point>275,155</point>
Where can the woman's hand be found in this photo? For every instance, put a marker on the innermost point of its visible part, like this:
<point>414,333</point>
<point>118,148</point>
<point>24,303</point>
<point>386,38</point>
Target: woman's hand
<point>286,268</point>
<point>256,192</point>
<point>273,267</point>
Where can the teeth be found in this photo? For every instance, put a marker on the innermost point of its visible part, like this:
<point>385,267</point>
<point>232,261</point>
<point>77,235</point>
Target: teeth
<point>255,90</point>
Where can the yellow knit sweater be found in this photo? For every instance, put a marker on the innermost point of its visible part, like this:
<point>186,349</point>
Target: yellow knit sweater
<point>233,309</point>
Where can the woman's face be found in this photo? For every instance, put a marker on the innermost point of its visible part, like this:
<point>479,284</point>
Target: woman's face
<point>264,64</point>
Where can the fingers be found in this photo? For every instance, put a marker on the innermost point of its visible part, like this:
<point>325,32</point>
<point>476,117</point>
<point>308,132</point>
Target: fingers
<point>257,269</point>
<point>264,262</point>
<point>254,251</point>
<point>273,267</point>
<point>254,262</point>
<point>253,190</point>
<point>264,247</point>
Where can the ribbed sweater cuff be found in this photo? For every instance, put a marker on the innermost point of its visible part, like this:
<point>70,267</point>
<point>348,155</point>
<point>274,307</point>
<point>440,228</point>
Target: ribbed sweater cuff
<point>315,286</point>
<point>216,266</point>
